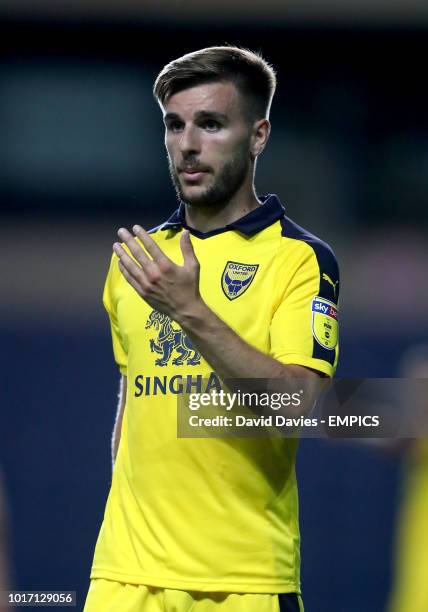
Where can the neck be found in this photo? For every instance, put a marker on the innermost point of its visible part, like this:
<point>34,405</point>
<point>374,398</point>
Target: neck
<point>208,219</point>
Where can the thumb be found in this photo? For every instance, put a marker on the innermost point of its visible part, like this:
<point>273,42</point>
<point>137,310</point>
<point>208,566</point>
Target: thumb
<point>186,246</point>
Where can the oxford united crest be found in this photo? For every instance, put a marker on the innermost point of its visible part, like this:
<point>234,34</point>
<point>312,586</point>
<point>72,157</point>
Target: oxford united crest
<point>236,278</point>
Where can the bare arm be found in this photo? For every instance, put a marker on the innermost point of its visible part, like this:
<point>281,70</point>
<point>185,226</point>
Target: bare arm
<point>230,355</point>
<point>174,290</point>
<point>233,358</point>
<point>117,429</point>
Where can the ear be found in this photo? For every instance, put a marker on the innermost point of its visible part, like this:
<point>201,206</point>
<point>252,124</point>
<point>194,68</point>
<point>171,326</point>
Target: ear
<point>259,136</point>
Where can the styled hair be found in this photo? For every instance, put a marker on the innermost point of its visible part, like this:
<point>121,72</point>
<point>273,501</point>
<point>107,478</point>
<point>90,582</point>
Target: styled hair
<point>254,78</point>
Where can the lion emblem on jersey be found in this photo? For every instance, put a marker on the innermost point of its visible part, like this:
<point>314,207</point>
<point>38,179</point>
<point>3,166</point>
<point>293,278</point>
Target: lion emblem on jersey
<point>170,339</point>
<point>236,278</point>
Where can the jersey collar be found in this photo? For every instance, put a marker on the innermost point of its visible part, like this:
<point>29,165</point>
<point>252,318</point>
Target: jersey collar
<point>270,211</point>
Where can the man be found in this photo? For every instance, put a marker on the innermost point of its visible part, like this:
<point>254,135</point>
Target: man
<point>411,553</point>
<point>228,287</point>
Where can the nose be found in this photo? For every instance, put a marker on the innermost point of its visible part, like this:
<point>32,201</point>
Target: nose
<point>189,141</point>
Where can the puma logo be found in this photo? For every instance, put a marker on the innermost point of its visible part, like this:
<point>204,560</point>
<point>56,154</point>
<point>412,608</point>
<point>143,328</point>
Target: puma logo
<point>328,279</point>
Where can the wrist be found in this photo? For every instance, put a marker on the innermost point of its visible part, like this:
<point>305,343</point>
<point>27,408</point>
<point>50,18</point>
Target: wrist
<point>194,316</point>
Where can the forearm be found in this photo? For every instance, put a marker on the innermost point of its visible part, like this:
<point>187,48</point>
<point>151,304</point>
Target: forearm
<point>227,353</point>
<point>233,358</point>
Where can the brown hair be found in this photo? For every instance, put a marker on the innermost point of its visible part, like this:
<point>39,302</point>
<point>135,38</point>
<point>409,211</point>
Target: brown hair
<point>253,77</point>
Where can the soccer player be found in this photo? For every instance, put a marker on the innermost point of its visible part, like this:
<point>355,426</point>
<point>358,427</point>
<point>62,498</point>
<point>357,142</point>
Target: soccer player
<point>410,584</point>
<point>227,287</point>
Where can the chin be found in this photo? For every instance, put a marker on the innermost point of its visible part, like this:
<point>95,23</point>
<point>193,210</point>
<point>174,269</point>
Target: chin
<point>197,202</point>
<point>195,198</point>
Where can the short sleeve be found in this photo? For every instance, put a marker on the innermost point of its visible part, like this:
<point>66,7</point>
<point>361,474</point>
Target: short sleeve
<point>110,304</point>
<point>304,327</point>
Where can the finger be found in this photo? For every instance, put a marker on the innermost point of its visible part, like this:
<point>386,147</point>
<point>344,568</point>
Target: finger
<point>149,266</point>
<point>127,262</point>
<point>133,246</point>
<point>132,280</point>
<point>147,269</point>
<point>149,244</point>
<point>187,249</point>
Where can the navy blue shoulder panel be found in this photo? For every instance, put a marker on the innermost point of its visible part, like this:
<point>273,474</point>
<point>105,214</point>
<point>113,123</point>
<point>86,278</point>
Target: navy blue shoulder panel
<point>329,273</point>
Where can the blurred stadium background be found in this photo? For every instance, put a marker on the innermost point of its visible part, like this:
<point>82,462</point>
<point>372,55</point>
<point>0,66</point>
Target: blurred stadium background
<point>81,153</point>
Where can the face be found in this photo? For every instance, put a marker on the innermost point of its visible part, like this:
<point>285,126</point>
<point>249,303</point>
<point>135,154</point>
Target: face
<point>208,141</point>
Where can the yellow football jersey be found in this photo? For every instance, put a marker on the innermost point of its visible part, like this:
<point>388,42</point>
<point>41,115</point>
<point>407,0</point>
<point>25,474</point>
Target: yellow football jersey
<point>214,514</point>
<point>410,586</point>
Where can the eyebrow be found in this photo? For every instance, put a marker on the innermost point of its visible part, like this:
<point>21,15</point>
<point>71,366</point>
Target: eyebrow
<point>199,115</point>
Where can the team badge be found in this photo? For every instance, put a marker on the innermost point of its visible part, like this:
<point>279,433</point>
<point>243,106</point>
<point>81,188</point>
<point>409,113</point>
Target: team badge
<point>325,326</point>
<point>236,278</point>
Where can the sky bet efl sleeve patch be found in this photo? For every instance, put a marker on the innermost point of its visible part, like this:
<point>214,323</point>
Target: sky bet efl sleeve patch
<point>324,322</point>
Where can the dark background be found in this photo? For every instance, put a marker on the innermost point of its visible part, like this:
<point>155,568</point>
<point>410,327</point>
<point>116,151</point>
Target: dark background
<point>81,154</point>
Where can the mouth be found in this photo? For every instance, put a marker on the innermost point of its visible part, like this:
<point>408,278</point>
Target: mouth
<point>192,175</point>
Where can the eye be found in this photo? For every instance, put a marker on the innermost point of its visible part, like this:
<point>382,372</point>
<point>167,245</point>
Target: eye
<point>210,125</point>
<point>175,126</point>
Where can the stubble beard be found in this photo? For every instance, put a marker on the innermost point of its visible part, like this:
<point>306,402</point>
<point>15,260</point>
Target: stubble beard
<point>227,182</point>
